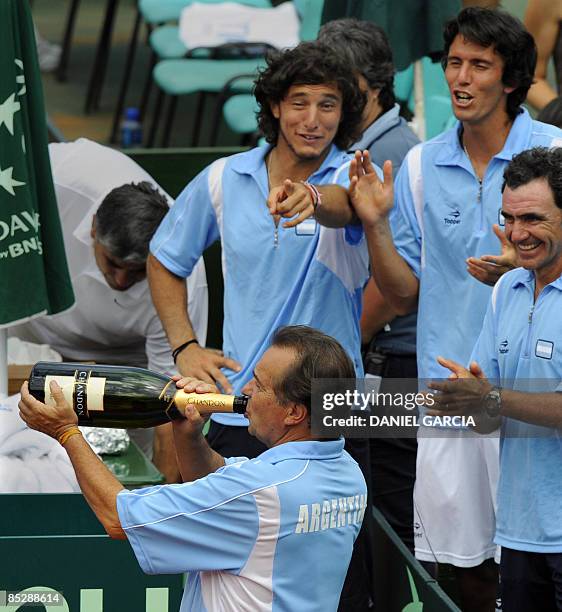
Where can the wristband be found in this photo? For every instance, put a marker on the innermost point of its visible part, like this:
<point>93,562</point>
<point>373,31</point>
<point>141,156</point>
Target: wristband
<point>72,431</point>
<point>180,348</point>
<point>316,195</point>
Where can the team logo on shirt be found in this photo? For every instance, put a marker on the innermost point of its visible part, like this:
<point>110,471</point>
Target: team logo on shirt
<point>306,228</point>
<point>453,218</point>
<point>504,347</point>
<point>544,349</point>
<point>331,514</point>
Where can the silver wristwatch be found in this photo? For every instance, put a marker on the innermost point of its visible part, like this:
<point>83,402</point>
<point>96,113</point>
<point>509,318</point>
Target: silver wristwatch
<point>493,403</point>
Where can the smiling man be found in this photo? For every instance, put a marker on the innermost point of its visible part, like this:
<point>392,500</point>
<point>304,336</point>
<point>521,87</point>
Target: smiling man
<point>273,533</point>
<point>276,272</point>
<point>448,198</point>
<point>519,348</point>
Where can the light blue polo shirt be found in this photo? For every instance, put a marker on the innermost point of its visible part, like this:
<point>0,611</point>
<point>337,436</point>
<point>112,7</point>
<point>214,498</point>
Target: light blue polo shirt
<point>521,347</point>
<point>313,276</point>
<point>272,533</point>
<point>441,217</point>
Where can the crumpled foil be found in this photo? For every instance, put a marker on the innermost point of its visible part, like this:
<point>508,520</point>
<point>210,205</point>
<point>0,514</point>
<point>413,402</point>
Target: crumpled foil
<point>107,441</point>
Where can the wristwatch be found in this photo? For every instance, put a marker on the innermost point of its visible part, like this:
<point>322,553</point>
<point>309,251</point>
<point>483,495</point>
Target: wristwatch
<point>493,403</point>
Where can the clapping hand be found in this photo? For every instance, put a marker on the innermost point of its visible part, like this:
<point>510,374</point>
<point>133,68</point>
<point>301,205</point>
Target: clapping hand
<point>371,198</point>
<point>463,393</point>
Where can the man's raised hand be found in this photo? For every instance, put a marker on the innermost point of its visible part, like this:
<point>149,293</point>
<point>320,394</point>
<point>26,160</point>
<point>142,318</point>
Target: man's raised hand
<point>489,268</point>
<point>371,198</point>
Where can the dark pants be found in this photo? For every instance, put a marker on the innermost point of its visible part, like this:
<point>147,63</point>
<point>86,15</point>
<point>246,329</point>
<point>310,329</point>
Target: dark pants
<point>231,441</point>
<point>393,460</point>
<point>356,595</point>
<point>531,581</point>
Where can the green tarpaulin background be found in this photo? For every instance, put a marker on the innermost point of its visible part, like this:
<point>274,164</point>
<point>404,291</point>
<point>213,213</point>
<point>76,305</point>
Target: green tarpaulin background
<point>33,273</point>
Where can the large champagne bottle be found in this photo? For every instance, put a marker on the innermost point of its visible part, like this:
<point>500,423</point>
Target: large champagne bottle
<point>122,396</point>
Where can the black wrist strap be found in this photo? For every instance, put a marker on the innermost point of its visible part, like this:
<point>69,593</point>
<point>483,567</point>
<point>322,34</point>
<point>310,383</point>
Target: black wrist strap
<point>180,348</point>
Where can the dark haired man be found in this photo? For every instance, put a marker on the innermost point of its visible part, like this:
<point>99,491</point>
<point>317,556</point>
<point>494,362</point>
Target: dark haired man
<point>448,198</point>
<point>273,533</point>
<point>389,342</point>
<point>275,272</point>
<point>107,226</point>
<point>519,349</point>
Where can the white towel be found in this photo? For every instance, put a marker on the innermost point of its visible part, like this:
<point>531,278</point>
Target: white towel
<point>210,25</point>
<point>30,461</point>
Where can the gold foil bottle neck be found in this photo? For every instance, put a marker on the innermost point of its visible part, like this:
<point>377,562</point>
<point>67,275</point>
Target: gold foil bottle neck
<point>204,402</point>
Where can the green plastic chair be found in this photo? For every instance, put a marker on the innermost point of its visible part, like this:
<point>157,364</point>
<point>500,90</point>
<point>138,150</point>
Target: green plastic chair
<point>176,77</point>
<point>239,113</point>
<point>165,40</point>
<point>152,13</point>
<point>181,77</point>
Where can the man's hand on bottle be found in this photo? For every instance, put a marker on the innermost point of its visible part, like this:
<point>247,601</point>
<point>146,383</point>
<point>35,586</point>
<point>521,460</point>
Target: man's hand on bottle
<point>371,198</point>
<point>192,425</point>
<point>205,365</point>
<point>53,421</point>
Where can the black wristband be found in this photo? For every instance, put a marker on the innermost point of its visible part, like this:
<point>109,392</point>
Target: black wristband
<point>180,348</point>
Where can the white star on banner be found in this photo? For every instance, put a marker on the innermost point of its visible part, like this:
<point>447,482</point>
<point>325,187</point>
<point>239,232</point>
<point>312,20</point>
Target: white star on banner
<point>7,111</point>
<point>8,182</point>
<point>20,80</point>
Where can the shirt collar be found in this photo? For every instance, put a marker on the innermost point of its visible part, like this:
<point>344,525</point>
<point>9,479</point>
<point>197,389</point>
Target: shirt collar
<point>526,278</point>
<point>253,161</point>
<point>310,449</point>
<point>452,154</point>
<point>82,233</point>
<point>381,125</point>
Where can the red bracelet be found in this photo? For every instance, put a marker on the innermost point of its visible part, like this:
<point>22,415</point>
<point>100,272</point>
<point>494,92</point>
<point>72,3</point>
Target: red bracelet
<point>316,195</point>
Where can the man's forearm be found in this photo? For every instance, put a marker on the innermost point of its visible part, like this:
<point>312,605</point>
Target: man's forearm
<point>98,484</point>
<point>394,277</point>
<point>169,294</point>
<point>543,409</point>
<point>196,458</point>
<point>335,210</point>
<point>376,313</point>
<point>164,457</point>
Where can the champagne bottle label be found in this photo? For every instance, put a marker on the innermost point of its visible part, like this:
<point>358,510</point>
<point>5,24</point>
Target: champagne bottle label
<point>204,402</point>
<point>83,392</point>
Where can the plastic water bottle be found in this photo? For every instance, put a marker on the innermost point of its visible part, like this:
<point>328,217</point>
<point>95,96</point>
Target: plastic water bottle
<point>131,129</point>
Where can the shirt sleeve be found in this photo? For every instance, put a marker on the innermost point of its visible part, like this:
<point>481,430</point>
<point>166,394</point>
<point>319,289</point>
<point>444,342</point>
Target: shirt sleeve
<point>403,218</point>
<point>188,229</point>
<point>198,301</point>
<point>205,525</point>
